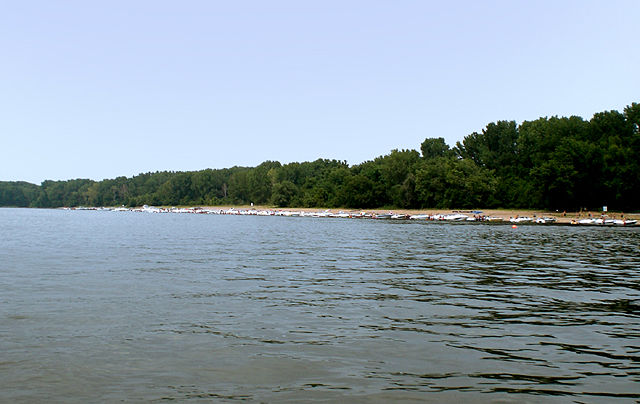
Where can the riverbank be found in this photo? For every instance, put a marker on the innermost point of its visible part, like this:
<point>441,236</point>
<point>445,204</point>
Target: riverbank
<point>504,214</point>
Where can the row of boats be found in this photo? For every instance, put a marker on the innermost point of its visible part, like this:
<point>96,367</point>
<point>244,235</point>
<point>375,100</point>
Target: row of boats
<point>473,216</point>
<point>604,221</point>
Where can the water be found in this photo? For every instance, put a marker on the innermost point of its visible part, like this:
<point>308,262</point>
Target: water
<point>106,306</point>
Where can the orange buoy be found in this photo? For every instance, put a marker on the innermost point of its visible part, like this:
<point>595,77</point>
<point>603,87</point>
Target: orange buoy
<point>514,227</point>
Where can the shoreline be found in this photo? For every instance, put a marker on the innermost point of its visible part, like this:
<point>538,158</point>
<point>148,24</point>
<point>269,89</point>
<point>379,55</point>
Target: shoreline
<point>481,215</point>
<point>504,214</point>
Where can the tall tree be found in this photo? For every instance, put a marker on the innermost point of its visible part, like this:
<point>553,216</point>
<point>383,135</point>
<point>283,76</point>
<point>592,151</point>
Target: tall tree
<point>434,147</point>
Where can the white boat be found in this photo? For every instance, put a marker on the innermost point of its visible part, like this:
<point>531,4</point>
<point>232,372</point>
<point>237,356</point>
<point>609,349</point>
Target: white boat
<point>518,219</point>
<point>624,222</point>
<point>150,209</point>
<point>605,222</point>
<point>545,220</point>
<point>419,217</point>
<point>456,217</point>
<point>290,213</point>
<point>325,213</point>
<point>341,215</point>
<point>362,215</point>
<point>587,221</point>
<point>494,219</point>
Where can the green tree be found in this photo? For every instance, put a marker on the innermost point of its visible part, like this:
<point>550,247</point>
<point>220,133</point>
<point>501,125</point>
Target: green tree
<point>358,192</point>
<point>495,148</point>
<point>283,193</point>
<point>450,183</point>
<point>435,147</point>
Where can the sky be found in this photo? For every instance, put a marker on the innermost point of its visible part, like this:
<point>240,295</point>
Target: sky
<point>98,90</point>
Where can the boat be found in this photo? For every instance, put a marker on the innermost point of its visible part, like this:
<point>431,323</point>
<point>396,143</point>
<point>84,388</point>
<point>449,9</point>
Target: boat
<point>587,221</point>
<point>624,222</point>
<point>456,217</point>
<point>523,219</point>
<point>290,213</point>
<point>603,222</point>
<point>493,219</point>
<point>361,215</point>
<point>545,220</point>
<point>341,214</point>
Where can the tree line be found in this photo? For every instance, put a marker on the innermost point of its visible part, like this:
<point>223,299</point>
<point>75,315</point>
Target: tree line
<point>549,163</point>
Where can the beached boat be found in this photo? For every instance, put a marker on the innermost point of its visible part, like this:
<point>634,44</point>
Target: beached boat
<point>493,219</point>
<point>455,217</point>
<point>624,222</point>
<point>545,220</point>
<point>360,215</point>
<point>603,222</point>
<point>523,219</point>
<point>587,221</point>
<point>342,215</point>
<point>324,213</point>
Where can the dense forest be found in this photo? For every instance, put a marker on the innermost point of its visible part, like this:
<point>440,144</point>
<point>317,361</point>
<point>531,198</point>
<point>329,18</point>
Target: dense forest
<point>550,163</point>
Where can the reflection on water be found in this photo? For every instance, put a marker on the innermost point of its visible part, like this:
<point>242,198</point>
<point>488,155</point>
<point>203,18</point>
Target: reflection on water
<point>105,306</point>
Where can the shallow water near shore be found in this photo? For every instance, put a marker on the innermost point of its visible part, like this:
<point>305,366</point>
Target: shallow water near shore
<point>108,306</point>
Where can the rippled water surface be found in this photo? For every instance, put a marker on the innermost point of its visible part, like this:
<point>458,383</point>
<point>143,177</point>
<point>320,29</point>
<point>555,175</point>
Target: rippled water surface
<point>107,306</point>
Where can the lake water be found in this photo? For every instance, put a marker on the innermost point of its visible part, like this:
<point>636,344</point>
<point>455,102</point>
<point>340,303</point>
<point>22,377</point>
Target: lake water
<point>112,306</point>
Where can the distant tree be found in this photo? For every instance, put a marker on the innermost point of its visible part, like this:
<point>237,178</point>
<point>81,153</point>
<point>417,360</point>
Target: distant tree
<point>18,194</point>
<point>434,147</point>
<point>283,193</point>
<point>495,148</point>
<point>260,181</point>
<point>176,191</point>
<point>449,183</point>
<point>358,192</point>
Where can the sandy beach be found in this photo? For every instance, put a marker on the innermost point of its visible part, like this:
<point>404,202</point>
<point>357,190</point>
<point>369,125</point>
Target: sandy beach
<point>505,214</point>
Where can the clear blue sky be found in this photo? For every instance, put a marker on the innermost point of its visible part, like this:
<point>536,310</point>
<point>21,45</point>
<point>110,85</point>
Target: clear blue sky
<point>102,89</point>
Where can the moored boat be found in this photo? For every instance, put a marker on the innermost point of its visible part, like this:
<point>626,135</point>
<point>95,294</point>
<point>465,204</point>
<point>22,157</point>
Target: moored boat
<point>342,215</point>
<point>518,219</point>
<point>603,222</point>
<point>493,219</point>
<point>587,221</point>
<point>624,222</point>
<point>456,217</point>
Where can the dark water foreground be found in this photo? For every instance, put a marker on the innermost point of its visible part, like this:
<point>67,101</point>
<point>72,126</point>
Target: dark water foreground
<point>107,306</point>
